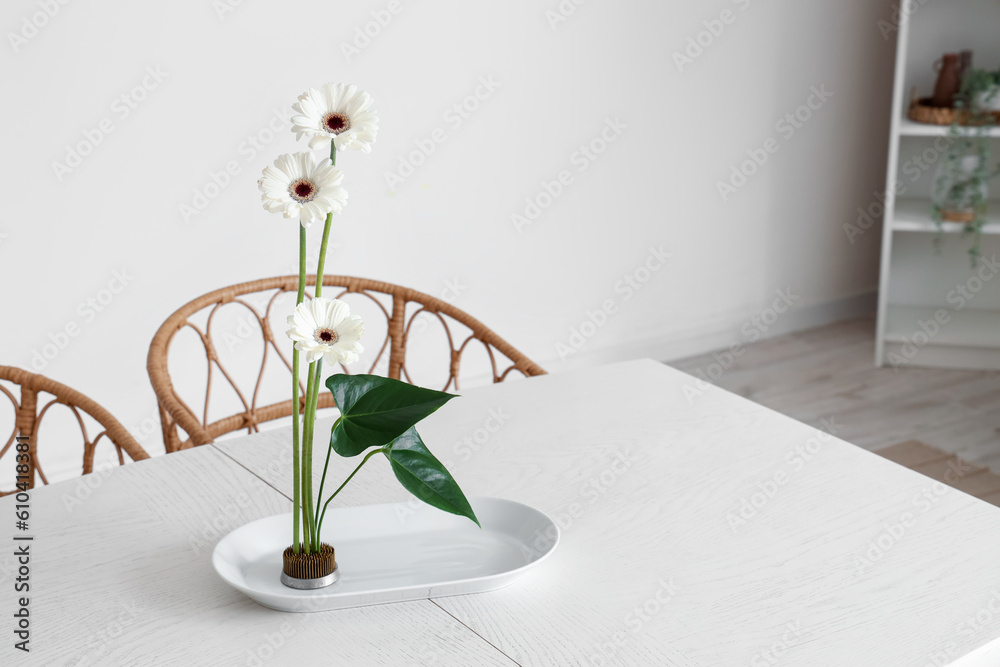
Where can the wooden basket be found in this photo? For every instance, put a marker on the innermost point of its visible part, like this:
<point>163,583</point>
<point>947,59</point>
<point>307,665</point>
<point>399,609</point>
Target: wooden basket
<point>921,111</point>
<point>958,216</point>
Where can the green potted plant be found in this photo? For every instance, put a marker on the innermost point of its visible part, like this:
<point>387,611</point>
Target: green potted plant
<point>961,183</point>
<point>981,89</point>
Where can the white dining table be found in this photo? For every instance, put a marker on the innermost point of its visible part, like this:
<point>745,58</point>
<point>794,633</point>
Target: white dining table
<point>697,529</point>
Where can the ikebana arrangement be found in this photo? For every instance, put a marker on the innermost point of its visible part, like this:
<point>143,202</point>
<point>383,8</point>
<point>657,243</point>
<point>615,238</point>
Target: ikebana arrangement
<point>378,415</point>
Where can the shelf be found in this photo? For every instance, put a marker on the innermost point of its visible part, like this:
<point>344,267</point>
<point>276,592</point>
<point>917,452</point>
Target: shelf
<point>914,270</point>
<point>913,214</point>
<point>909,128</point>
<point>964,328</point>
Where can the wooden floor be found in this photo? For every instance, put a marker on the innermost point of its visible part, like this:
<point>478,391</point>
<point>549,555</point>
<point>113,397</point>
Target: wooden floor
<point>829,372</point>
<point>952,470</point>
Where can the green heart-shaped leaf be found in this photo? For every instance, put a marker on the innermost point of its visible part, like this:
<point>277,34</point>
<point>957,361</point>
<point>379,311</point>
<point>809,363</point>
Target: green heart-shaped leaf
<point>424,476</point>
<point>376,410</point>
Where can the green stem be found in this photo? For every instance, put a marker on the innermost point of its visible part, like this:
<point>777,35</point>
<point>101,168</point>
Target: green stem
<point>311,531</point>
<point>326,233</point>
<point>311,402</point>
<point>313,382</point>
<point>307,452</point>
<point>296,488</point>
<point>326,465</point>
<point>349,477</point>
<point>322,254</point>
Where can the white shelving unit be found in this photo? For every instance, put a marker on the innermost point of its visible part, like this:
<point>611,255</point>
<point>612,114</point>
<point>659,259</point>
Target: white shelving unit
<point>935,309</point>
<point>910,128</point>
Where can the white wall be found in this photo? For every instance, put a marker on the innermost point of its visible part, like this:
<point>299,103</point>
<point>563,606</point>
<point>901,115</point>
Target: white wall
<point>226,69</point>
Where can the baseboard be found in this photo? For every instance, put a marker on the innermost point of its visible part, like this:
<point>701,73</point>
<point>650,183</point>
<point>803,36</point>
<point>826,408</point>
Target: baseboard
<point>669,346</point>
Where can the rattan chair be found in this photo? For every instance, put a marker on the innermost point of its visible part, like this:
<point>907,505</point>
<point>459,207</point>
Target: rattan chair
<point>392,301</point>
<point>28,418</point>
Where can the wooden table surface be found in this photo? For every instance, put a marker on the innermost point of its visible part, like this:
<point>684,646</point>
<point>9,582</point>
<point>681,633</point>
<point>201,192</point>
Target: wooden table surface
<point>698,529</point>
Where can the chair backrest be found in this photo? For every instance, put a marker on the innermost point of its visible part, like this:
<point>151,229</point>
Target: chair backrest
<point>399,305</point>
<point>28,418</point>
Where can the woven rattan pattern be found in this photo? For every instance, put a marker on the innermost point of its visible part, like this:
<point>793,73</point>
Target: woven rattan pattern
<point>176,415</point>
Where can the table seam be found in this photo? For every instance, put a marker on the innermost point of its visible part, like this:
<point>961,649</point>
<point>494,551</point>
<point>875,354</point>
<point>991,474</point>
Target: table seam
<point>491,644</point>
<point>466,626</point>
<point>249,470</point>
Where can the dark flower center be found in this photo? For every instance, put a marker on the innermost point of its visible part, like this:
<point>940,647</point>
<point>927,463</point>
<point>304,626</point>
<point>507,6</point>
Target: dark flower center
<point>335,123</point>
<point>326,336</point>
<point>302,190</point>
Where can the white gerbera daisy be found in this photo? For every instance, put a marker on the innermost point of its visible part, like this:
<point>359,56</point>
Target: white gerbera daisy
<point>325,328</point>
<point>337,111</point>
<point>298,185</point>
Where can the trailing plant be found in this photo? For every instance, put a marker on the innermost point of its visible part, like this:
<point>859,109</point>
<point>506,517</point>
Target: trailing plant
<point>978,81</point>
<point>962,182</point>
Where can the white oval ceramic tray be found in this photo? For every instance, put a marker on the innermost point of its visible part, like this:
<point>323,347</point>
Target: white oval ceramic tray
<point>392,553</point>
